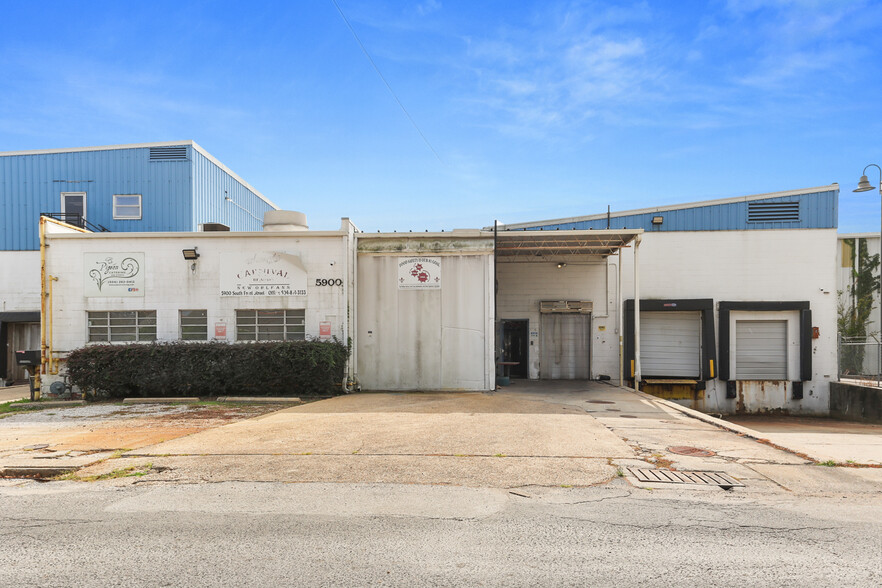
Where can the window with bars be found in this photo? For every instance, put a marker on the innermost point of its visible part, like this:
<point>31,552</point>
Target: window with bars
<point>122,325</point>
<point>194,325</point>
<point>271,325</point>
<point>127,207</point>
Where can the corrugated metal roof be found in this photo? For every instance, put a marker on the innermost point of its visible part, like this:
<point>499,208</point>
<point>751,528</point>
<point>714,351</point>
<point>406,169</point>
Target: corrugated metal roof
<point>173,191</point>
<point>817,208</point>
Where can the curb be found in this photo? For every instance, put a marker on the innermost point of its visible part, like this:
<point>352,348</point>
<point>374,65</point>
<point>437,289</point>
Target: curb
<point>261,399</point>
<point>36,472</point>
<point>181,400</point>
<point>739,429</point>
<point>49,404</point>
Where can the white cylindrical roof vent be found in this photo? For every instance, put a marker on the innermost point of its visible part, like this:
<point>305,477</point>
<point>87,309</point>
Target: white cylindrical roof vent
<point>284,220</point>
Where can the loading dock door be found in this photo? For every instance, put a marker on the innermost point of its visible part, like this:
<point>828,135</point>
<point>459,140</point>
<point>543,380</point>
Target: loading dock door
<point>761,350</point>
<point>565,346</point>
<point>670,344</point>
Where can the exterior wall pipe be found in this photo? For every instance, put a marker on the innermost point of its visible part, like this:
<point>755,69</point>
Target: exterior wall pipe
<point>53,366</point>
<point>35,395</point>
<point>637,313</point>
<point>620,319</point>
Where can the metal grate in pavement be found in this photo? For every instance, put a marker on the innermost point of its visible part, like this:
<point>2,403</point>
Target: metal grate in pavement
<point>670,477</point>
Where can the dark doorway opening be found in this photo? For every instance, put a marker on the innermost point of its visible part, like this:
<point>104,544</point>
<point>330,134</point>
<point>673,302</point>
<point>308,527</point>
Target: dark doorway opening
<point>516,346</point>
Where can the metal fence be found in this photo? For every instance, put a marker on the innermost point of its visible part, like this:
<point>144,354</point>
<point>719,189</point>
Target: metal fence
<point>860,358</point>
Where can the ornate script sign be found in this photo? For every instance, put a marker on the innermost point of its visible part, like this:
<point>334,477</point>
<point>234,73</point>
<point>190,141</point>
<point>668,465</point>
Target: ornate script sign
<point>419,273</point>
<point>269,273</point>
<point>113,274</point>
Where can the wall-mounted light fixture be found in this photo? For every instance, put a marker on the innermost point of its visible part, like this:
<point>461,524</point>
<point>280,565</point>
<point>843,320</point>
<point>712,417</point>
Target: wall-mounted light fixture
<point>657,220</point>
<point>190,254</point>
<point>561,265</point>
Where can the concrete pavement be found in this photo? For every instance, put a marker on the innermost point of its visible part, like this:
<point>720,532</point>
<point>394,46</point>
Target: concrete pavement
<point>12,393</point>
<point>527,434</point>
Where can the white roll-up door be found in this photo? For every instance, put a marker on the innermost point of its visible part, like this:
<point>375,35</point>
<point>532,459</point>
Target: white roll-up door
<point>670,344</point>
<point>760,350</point>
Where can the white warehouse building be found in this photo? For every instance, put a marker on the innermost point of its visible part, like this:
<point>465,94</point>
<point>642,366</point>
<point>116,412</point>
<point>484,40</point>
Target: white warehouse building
<point>727,305</point>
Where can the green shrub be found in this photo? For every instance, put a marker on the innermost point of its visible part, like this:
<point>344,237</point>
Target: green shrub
<point>209,369</point>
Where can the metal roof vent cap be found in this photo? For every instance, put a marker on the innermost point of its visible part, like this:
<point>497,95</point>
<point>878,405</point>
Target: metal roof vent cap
<point>284,220</point>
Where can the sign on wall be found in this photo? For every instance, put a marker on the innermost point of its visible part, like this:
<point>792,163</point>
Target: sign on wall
<point>269,273</point>
<point>113,274</point>
<point>419,273</point>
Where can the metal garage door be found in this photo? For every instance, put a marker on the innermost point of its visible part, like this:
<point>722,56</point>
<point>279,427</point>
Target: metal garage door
<point>565,346</point>
<point>760,350</point>
<point>670,344</point>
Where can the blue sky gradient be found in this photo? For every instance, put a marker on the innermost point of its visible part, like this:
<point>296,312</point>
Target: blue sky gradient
<point>536,110</point>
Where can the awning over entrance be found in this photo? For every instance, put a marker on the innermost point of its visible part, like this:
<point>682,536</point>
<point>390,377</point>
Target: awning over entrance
<point>523,246</point>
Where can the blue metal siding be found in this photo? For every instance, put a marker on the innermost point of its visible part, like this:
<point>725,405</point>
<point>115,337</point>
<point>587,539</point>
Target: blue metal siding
<point>210,186</point>
<point>818,210</point>
<point>31,184</point>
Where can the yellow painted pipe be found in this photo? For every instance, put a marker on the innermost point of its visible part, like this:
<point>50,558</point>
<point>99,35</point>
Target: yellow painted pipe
<point>41,371</point>
<point>53,365</point>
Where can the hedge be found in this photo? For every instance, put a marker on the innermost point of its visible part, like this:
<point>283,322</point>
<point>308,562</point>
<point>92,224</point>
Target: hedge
<point>209,369</point>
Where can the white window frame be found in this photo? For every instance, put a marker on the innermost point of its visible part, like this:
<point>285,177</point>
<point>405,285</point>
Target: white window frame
<point>142,329</point>
<point>191,322</point>
<point>293,324</point>
<point>64,202</point>
<point>119,217</point>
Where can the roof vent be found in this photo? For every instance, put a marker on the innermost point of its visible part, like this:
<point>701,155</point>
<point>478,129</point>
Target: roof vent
<point>284,220</point>
<point>168,153</point>
<point>770,212</point>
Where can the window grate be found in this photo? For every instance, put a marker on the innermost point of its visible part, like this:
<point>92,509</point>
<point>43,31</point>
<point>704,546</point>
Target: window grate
<point>122,326</point>
<point>194,325</point>
<point>767,212</point>
<point>168,153</point>
<point>271,325</point>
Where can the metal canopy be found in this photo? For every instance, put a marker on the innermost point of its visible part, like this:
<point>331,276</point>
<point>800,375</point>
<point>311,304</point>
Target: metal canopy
<point>527,245</point>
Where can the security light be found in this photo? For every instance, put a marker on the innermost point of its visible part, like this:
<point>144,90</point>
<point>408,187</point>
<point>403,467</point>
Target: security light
<point>561,265</point>
<point>657,220</point>
<point>190,254</point>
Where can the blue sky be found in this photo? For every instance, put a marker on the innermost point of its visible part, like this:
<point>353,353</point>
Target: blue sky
<point>531,110</point>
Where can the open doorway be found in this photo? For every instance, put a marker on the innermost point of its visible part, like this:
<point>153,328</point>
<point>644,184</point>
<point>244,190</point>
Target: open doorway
<point>516,346</point>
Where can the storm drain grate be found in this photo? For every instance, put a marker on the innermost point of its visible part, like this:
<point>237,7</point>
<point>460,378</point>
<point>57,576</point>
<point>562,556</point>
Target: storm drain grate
<point>671,477</point>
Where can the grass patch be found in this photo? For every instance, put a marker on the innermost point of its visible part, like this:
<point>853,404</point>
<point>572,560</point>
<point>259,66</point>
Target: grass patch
<point>829,463</point>
<point>135,471</point>
<point>500,455</point>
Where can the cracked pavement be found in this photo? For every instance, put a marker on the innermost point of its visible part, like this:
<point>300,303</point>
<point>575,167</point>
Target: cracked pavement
<point>515,488</point>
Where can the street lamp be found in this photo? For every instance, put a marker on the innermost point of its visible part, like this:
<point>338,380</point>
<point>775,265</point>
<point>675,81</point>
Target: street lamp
<point>865,186</point>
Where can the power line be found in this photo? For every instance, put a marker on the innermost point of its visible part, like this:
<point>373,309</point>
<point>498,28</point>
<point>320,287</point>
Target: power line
<point>388,87</point>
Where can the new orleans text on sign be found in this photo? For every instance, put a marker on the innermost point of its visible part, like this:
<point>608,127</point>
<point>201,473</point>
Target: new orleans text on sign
<point>113,274</point>
<point>270,273</point>
<point>419,273</point>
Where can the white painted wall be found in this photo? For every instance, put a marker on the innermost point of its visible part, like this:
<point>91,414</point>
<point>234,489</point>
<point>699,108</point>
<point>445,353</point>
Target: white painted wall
<point>759,265</point>
<point>171,284</point>
<point>523,285</point>
<point>19,281</point>
<point>425,339</point>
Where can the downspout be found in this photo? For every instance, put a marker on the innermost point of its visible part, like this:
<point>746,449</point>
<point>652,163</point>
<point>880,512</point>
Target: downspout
<point>495,316</point>
<point>620,318</point>
<point>637,313</point>
<point>37,377</point>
